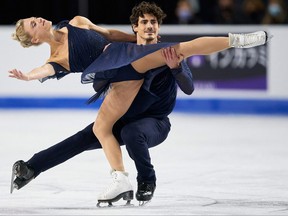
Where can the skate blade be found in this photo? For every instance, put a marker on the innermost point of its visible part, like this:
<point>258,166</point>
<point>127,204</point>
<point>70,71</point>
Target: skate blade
<point>143,203</point>
<point>111,205</point>
<point>12,181</point>
<point>127,196</point>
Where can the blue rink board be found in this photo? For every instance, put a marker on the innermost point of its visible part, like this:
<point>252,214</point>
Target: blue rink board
<point>217,106</point>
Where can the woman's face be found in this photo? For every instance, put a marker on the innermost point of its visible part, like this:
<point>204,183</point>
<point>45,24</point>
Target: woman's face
<point>36,27</point>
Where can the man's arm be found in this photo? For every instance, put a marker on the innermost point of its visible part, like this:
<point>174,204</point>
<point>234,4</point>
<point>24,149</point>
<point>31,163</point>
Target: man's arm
<point>179,70</point>
<point>110,34</point>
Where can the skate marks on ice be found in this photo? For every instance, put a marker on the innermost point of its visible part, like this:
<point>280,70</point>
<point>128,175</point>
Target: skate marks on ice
<point>187,205</point>
<point>264,207</point>
<point>197,205</point>
<point>208,206</point>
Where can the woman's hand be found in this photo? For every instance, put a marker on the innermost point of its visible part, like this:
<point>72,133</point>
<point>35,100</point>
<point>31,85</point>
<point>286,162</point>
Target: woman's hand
<point>17,74</point>
<point>172,59</point>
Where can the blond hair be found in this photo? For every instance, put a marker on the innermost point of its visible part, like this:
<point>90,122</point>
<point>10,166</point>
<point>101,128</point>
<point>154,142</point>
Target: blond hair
<point>20,35</point>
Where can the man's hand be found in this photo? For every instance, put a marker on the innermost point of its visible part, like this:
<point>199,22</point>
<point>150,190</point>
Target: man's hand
<point>172,59</point>
<point>17,74</point>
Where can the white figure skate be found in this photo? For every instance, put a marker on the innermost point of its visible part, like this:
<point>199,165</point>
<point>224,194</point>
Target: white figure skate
<point>248,40</point>
<point>119,188</point>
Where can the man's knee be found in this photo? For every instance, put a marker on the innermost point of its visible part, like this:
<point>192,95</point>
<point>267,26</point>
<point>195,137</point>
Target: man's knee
<point>132,134</point>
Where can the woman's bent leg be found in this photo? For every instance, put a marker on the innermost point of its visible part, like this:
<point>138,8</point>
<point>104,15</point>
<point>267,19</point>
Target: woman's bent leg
<point>114,106</point>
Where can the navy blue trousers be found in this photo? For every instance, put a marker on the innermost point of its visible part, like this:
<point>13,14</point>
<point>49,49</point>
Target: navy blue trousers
<point>138,136</point>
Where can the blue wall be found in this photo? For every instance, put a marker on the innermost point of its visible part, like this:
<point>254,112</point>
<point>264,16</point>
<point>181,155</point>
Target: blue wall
<point>213,106</point>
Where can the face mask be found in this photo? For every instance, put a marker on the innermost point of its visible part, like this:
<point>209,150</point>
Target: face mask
<point>184,14</point>
<point>274,9</point>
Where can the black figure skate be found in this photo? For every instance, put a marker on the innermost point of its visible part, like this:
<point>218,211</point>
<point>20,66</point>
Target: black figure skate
<point>145,192</point>
<point>23,173</point>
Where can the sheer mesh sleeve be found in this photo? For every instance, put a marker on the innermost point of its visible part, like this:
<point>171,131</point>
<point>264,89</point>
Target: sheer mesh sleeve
<point>59,72</point>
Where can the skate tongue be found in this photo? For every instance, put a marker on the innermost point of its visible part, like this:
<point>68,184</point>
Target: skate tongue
<point>115,172</point>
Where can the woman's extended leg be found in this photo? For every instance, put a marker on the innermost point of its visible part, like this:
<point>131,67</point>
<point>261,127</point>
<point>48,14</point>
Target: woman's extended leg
<point>203,46</point>
<point>199,46</point>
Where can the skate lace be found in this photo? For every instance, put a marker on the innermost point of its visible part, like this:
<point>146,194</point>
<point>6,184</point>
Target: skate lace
<point>250,39</point>
<point>16,169</point>
<point>112,185</point>
<point>21,170</point>
<point>256,39</point>
<point>144,187</point>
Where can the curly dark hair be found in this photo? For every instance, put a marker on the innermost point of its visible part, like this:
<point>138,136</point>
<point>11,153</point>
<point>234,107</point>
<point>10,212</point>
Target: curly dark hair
<point>146,8</point>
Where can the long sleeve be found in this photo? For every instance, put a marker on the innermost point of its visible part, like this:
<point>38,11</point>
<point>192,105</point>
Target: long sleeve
<point>184,78</point>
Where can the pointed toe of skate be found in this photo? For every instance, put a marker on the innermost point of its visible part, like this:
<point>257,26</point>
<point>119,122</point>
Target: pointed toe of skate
<point>268,37</point>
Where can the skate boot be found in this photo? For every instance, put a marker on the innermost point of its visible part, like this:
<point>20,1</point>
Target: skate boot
<point>145,192</point>
<point>119,188</point>
<point>248,40</point>
<point>24,174</point>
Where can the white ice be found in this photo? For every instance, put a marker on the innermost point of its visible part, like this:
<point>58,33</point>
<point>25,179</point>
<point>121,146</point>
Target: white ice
<point>209,165</point>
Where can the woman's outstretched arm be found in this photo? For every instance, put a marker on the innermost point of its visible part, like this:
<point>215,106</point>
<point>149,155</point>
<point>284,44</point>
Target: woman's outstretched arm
<point>37,73</point>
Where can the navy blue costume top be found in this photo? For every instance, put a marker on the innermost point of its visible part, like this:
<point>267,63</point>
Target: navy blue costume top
<point>157,96</point>
<point>84,47</point>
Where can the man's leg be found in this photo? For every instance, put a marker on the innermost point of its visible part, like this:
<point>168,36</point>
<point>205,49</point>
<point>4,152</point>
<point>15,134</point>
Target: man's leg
<point>138,136</point>
<point>81,141</point>
<point>55,155</point>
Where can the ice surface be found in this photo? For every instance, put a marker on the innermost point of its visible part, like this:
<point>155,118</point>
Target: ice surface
<point>209,165</point>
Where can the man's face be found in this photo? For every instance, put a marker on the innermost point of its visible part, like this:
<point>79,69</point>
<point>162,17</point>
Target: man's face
<point>147,29</point>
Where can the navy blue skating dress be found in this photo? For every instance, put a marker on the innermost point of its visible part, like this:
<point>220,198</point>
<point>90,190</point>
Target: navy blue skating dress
<point>101,68</point>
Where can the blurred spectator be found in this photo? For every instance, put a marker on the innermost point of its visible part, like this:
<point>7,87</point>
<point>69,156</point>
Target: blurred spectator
<point>276,12</point>
<point>187,12</point>
<point>253,11</point>
<point>226,12</point>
